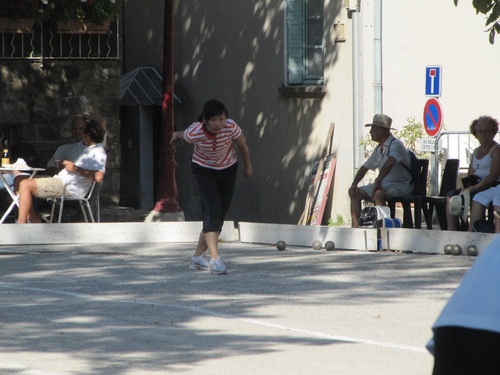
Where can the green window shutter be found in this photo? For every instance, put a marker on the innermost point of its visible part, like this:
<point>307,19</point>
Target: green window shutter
<point>295,28</point>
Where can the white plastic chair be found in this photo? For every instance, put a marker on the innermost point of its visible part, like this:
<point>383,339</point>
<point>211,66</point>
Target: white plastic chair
<point>86,203</point>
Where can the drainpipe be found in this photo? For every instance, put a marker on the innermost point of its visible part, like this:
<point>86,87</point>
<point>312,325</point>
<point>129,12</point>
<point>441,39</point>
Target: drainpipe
<point>377,29</point>
<point>357,82</point>
<point>167,186</point>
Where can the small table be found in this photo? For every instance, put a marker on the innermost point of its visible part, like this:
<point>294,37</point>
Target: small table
<point>10,190</point>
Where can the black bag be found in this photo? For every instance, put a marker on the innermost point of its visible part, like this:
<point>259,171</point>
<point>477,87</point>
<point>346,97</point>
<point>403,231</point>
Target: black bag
<point>471,180</point>
<point>370,215</point>
<point>483,226</point>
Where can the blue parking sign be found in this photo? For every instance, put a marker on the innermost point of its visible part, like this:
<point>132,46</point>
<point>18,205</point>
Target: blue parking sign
<point>432,81</point>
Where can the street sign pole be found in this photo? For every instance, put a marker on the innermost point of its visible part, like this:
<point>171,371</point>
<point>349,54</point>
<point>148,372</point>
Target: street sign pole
<point>433,118</point>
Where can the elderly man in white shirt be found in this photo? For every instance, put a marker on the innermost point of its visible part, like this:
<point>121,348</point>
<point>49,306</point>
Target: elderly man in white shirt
<point>74,180</point>
<point>390,157</point>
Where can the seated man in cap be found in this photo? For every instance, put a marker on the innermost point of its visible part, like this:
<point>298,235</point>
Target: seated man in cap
<point>393,180</point>
<point>74,180</point>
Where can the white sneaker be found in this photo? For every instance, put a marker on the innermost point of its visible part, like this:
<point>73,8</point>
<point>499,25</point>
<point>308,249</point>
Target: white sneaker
<point>217,266</point>
<point>198,263</point>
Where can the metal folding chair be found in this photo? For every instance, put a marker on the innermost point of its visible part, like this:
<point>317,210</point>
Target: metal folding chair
<point>90,200</point>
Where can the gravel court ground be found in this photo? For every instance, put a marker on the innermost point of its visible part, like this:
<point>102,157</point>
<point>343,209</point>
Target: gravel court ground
<point>137,309</point>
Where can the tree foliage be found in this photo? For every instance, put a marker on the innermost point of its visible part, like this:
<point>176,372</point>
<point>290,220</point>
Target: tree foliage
<point>491,9</point>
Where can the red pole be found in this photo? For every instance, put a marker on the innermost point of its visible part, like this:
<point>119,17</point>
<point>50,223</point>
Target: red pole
<point>167,185</point>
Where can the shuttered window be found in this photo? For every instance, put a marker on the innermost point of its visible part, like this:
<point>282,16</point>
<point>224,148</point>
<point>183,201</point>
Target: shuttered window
<point>305,42</point>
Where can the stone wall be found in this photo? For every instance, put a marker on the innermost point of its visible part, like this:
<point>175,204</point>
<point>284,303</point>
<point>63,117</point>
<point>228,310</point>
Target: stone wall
<point>38,100</point>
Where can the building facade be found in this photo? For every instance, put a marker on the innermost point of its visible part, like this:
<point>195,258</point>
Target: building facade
<point>287,69</point>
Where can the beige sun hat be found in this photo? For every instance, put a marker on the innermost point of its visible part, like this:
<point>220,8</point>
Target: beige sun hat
<point>381,120</point>
<point>459,205</point>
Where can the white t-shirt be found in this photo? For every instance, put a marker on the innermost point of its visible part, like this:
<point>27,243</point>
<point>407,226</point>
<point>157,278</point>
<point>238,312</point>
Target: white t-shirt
<point>475,304</point>
<point>92,158</point>
<point>395,148</point>
<point>70,151</point>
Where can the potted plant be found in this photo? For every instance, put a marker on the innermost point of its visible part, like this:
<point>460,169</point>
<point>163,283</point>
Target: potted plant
<point>18,16</point>
<point>73,16</point>
<point>82,16</point>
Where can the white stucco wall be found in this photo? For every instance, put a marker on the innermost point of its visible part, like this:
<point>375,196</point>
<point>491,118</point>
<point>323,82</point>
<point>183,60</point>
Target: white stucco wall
<point>429,32</point>
<point>416,34</point>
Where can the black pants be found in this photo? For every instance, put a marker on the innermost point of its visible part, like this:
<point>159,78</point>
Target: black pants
<point>464,351</point>
<point>217,188</point>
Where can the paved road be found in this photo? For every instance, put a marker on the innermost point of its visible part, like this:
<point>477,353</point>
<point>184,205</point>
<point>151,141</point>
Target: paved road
<point>129,309</point>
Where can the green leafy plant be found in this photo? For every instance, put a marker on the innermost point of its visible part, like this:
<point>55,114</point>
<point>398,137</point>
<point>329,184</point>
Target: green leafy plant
<point>491,9</point>
<point>339,221</point>
<point>86,11</point>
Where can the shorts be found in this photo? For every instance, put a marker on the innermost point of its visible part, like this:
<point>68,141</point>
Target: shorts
<point>393,189</point>
<point>49,188</point>
<point>488,196</point>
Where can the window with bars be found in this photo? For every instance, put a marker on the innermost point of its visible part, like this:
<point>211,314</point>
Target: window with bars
<point>305,42</point>
<point>45,42</point>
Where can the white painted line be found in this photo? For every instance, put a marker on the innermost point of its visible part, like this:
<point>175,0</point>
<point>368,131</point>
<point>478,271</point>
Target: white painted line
<point>201,310</point>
